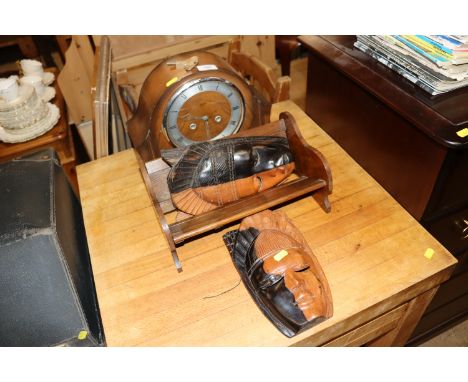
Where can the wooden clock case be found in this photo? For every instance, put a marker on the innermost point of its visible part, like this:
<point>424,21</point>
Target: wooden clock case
<point>146,126</point>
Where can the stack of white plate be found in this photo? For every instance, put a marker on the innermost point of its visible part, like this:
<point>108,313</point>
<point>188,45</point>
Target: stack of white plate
<point>25,112</point>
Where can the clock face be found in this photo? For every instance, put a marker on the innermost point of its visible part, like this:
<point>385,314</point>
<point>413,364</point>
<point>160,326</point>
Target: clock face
<point>203,109</point>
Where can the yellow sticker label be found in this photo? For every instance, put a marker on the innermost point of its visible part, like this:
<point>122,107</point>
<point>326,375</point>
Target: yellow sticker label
<point>171,81</point>
<point>463,132</point>
<point>281,255</point>
<point>429,253</point>
<point>82,335</point>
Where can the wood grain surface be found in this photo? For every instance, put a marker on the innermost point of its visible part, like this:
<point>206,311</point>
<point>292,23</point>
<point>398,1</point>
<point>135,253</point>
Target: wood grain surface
<point>371,251</point>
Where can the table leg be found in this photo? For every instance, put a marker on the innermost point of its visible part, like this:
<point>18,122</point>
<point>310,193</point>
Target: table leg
<point>400,335</point>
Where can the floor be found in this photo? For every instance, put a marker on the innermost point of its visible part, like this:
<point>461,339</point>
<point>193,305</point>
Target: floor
<point>456,336</point>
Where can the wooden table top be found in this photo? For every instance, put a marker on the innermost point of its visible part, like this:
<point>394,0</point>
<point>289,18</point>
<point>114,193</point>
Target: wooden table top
<point>370,248</point>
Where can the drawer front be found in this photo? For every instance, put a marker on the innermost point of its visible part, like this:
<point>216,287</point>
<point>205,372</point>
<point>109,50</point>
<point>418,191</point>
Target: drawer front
<point>370,330</point>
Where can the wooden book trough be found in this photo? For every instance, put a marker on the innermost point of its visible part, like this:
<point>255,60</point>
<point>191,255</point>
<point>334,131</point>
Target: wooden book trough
<point>312,175</point>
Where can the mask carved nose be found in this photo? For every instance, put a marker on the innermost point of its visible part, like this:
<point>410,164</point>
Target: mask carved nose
<point>293,281</point>
<point>259,183</point>
<point>284,159</point>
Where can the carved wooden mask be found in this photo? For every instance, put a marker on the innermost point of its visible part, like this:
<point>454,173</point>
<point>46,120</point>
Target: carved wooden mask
<point>211,174</point>
<point>280,272</point>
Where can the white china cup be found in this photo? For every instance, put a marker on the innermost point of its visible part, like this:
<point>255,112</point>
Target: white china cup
<point>35,81</point>
<point>9,88</point>
<point>32,67</point>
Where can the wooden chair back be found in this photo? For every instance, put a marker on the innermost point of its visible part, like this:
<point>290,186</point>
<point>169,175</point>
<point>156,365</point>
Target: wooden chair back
<point>259,75</point>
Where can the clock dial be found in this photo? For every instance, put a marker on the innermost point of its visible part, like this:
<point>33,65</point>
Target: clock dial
<point>203,109</point>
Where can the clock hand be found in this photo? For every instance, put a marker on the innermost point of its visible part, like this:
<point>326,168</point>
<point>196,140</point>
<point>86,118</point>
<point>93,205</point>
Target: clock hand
<point>207,126</point>
<point>191,117</point>
<point>186,116</point>
<point>193,126</point>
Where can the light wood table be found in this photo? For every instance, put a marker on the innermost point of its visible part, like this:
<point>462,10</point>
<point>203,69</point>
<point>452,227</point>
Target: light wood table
<point>371,250</point>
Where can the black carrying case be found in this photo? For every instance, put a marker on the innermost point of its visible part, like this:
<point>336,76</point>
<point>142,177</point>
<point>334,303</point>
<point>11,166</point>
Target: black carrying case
<point>47,293</point>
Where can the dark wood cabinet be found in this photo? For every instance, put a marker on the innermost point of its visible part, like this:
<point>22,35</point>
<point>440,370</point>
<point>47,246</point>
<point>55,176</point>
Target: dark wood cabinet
<point>407,140</point>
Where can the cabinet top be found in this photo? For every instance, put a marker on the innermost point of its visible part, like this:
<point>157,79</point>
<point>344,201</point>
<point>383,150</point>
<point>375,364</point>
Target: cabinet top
<point>440,116</point>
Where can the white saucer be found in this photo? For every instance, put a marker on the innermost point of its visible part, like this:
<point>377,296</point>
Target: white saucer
<point>32,131</point>
<point>48,78</point>
<point>49,93</point>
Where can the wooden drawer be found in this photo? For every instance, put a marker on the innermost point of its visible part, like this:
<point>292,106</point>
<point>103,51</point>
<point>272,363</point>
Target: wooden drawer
<point>366,332</point>
<point>371,330</point>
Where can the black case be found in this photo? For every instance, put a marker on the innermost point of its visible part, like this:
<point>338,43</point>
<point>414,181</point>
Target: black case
<point>47,293</point>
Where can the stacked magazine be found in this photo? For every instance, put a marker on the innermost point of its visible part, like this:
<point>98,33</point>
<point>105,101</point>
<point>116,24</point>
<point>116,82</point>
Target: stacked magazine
<point>436,63</point>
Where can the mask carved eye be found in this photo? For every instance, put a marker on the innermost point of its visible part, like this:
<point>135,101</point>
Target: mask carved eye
<point>269,281</point>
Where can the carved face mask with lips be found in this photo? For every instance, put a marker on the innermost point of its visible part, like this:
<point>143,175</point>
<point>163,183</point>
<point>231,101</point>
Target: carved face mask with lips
<point>210,174</point>
<point>280,272</point>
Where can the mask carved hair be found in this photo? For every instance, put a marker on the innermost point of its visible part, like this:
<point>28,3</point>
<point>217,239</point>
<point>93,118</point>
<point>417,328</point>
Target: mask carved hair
<point>280,272</point>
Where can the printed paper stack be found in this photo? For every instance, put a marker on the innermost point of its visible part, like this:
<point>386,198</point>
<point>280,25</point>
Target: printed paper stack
<point>436,63</point>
